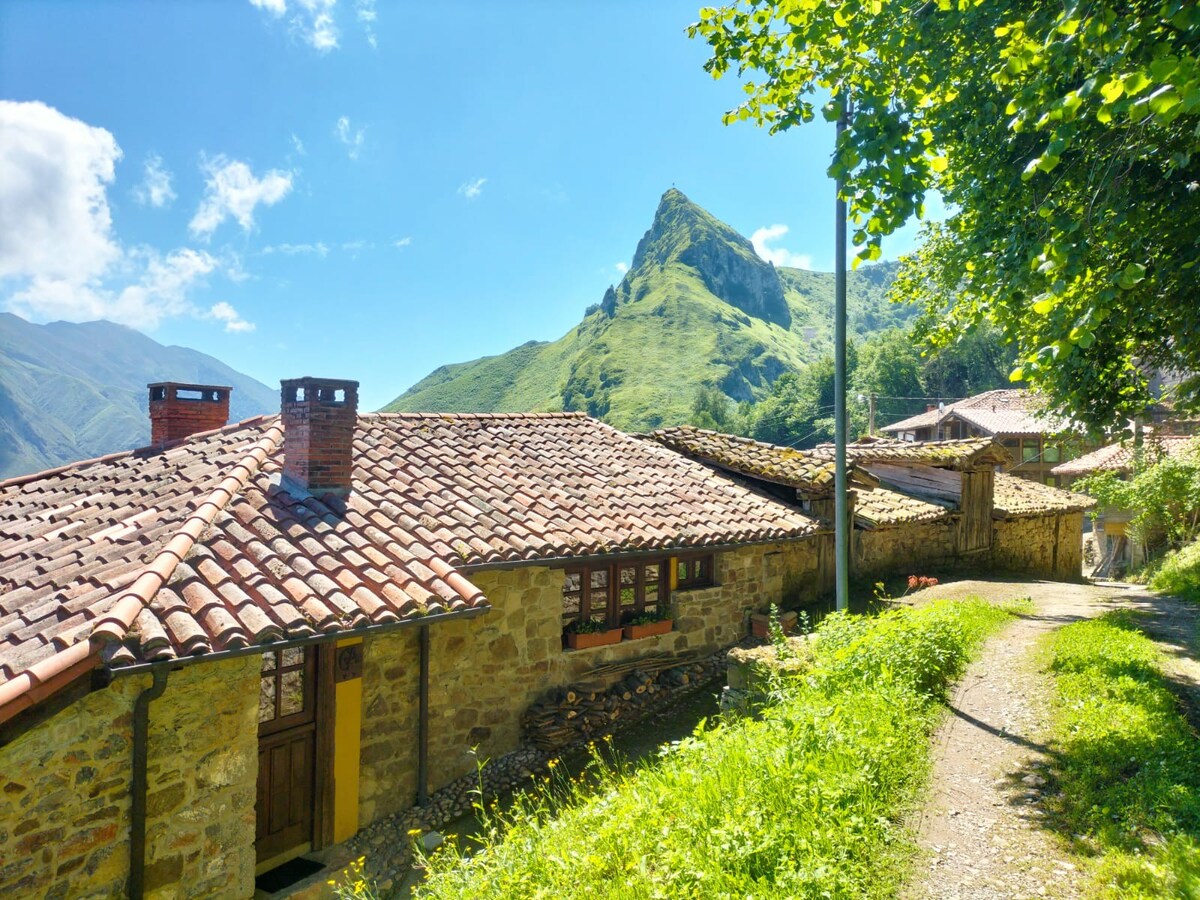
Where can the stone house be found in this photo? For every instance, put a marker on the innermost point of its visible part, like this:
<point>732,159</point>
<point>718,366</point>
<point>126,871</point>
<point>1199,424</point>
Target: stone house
<point>1015,418</point>
<point>246,642</point>
<point>914,504</point>
<point>1117,547</point>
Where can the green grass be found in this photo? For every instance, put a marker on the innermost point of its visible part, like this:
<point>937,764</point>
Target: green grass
<point>1178,573</point>
<point>1127,762</point>
<point>804,802</point>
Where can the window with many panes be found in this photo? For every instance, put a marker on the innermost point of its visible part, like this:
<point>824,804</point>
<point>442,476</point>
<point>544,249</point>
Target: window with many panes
<point>612,593</point>
<point>694,572</point>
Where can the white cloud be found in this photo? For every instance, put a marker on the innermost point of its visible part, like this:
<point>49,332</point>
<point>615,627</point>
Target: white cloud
<point>232,191</point>
<point>403,242</point>
<point>159,292</point>
<point>472,189</point>
<point>59,258</point>
<point>155,189</point>
<point>315,249</point>
<point>365,10</point>
<point>621,267</point>
<point>298,145</point>
<point>352,247</point>
<point>54,173</point>
<point>312,20</point>
<point>352,139</point>
<point>778,255</point>
<point>226,313</point>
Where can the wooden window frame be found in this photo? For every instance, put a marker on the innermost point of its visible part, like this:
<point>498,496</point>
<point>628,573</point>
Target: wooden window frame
<point>605,603</point>
<point>707,572</point>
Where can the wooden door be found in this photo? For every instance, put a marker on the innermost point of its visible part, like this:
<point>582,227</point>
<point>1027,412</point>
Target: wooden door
<point>287,751</point>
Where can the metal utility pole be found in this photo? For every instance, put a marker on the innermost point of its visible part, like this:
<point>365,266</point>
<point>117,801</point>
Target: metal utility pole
<point>841,509</point>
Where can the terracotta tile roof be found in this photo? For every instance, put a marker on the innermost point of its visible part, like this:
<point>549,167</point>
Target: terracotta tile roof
<point>767,462</point>
<point>499,488</point>
<point>958,454</point>
<point>1014,497</point>
<point>883,508</point>
<point>1011,411</point>
<point>197,548</point>
<point>1119,457</point>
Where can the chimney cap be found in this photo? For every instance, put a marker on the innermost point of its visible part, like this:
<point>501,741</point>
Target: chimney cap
<point>188,386</point>
<point>319,382</point>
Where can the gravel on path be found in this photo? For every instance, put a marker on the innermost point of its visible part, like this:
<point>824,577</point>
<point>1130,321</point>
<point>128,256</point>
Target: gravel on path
<point>980,827</point>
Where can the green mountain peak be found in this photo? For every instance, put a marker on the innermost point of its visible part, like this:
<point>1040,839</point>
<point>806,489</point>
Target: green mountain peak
<point>725,261</point>
<point>698,309</point>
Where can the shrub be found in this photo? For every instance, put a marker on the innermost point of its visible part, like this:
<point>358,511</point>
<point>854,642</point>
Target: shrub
<point>804,802</point>
<point>1179,573</point>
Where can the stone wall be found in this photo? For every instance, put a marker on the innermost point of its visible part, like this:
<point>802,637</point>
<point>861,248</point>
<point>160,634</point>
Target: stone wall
<point>485,672</point>
<point>1043,546</point>
<point>904,550</point>
<point>388,759</point>
<point>64,791</point>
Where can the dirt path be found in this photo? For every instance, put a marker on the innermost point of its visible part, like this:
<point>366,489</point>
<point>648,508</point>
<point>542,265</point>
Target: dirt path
<point>980,825</point>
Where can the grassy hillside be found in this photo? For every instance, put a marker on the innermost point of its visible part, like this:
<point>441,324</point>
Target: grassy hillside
<point>74,391</point>
<point>697,308</point>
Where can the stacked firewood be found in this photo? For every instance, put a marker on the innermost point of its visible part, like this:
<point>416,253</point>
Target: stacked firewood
<point>589,709</point>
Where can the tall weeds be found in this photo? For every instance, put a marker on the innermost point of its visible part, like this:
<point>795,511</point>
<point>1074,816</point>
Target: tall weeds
<point>804,802</point>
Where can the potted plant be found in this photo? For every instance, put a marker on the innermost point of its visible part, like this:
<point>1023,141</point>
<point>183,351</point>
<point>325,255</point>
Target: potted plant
<point>760,623</point>
<point>584,633</point>
<point>648,623</point>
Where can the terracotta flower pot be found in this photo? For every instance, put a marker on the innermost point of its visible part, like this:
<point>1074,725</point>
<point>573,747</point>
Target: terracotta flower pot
<point>584,640</point>
<point>760,623</point>
<point>634,632</point>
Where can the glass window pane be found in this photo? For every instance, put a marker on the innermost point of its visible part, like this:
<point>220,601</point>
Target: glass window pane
<point>571,582</point>
<point>268,661</point>
<point>683,570</point>
<point>266,696</point>
<point>291,692</point>
<point>1051,453</point>
<point>599,579</point>
<point>293,656</point>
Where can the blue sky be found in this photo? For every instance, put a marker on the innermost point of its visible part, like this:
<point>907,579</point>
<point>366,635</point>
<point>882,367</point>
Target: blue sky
<point>364,190</point>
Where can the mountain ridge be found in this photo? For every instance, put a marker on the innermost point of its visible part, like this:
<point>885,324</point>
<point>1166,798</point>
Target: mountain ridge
<point>72,391</point>
<point>698,308</point>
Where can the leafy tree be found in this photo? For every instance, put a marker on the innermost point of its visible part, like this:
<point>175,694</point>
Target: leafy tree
<point>1162,491</point>
<point>712,409</point>
<point>799,410</point>
<point>890,366</point>
<point>1064,135</point>
<point>977,361</point>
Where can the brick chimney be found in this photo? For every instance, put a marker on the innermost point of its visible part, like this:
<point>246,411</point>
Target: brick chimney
<point>179,410</point>
<point>319,418</point>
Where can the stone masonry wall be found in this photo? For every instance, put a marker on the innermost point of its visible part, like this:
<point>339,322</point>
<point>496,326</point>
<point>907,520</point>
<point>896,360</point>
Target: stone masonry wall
<point>1044,546</point>
<point>904,550</point>
<point>485,672</point>
<point>387,778</point>
<point>64,791</point>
